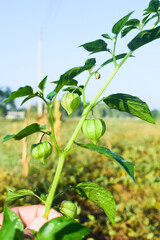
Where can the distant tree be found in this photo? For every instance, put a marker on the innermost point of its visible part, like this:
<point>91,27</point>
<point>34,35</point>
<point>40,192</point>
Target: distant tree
<point>5,93</point>
<point>155,114</point>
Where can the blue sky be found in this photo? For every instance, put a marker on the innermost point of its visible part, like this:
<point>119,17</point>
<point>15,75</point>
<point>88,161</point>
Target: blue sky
<point>66,24</point>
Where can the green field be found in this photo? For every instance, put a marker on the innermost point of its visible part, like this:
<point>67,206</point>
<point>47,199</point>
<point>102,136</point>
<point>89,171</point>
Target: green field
<point>138,205</point>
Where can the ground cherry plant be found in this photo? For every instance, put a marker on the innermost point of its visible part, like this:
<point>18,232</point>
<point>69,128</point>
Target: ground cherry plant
<point>67,226</point>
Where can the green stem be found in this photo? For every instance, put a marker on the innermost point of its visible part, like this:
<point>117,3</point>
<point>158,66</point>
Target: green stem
<point>66,151</point>
<point>52,130</point>
<point>113,53</point>
<point>83,90</point>
<point>54,185</point>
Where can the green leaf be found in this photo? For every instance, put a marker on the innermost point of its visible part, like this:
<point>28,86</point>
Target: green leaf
<point>33,128</point>
<point>128,166</point>
<point>29,97</point>
<point>11,216</point>
<point>126,30</point>
<point>154,16</point>
<point>144,20</point>
<point>143,38</point>
<point>95,46</point>
<point>131,104</point>
<point>12,196</point>
<point>153,6</point>
<point>62,228</point>
<point>120,24</point>
<point>51,95</point>
<point>12,227</point>
<point>75,89</point>
<point>8,137</point>
<point>100,196</point>
<point>21,92</point>
<point>119,56</point>
<point>42,84</point>
<point>132,22</point>
<point>89,63</point>
<point>9,231</point>
<point>106,36</point>
<point>67,77</point>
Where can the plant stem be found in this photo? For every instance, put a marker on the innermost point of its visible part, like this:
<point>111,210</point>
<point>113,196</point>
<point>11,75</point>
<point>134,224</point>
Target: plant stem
<point>54,185</point>
<point>52,130</point>
<point>83,90</point>
<point>63,155</point>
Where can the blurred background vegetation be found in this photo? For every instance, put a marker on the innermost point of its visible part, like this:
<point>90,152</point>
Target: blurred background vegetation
<point>138,205</point>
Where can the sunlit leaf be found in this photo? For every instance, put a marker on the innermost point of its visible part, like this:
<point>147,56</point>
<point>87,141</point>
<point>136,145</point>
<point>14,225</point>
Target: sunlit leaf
<point>12,196</point>
<point>126,30</point>
<point>95,46</point>
<point>12,226</point>
<point>132,22</point>
<point>120,56</point>
<point>29,97</point>
<point>33,128</point>
<point>75,89</point>
<point>100,196</point>
<point>128,166</point>
<point>106,36</point>
<point>67,77</point>
<point>51,95</point>
<point>143,38</point>
<point>42,84</point>
<point>21,92</point>
<point>153,6</point>
<point>131,104</point>
<point>62,228</point>
<point>120,24</point>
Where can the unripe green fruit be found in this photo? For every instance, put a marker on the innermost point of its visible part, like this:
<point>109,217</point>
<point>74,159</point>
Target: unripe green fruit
<point>41,151</point>
<point>94,129</point>
<point>97,75</point>
<point>69,209</point>
<point>70,102</point>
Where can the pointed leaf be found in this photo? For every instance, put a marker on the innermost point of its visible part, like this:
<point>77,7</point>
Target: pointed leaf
<point>132,22</point>
<point>29,97</point>
<point>143,38</point>
<point>153,6</point>
<point>119,56</point>
<point>128,166</point>
<point>89,63</point>
<point>106,36</point>
<point>42,84</point>
<point>12,196</point>
<point>100,196</point>
<point>11,216</point>
<point>67,77</point>
<point>126,30</point>
<point>131,104</point>
<point>149,19</point>
<point>51,95</point>
<point>144,20</point>
<point>8,137</point>
<point>120,24</point>
<point>95,46</point>
<point>21,92</point>
<point>12,234</point>
<point>33,128</point>
<point>12,226</point>
<point>62,228</point>
<point>75,89</point>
